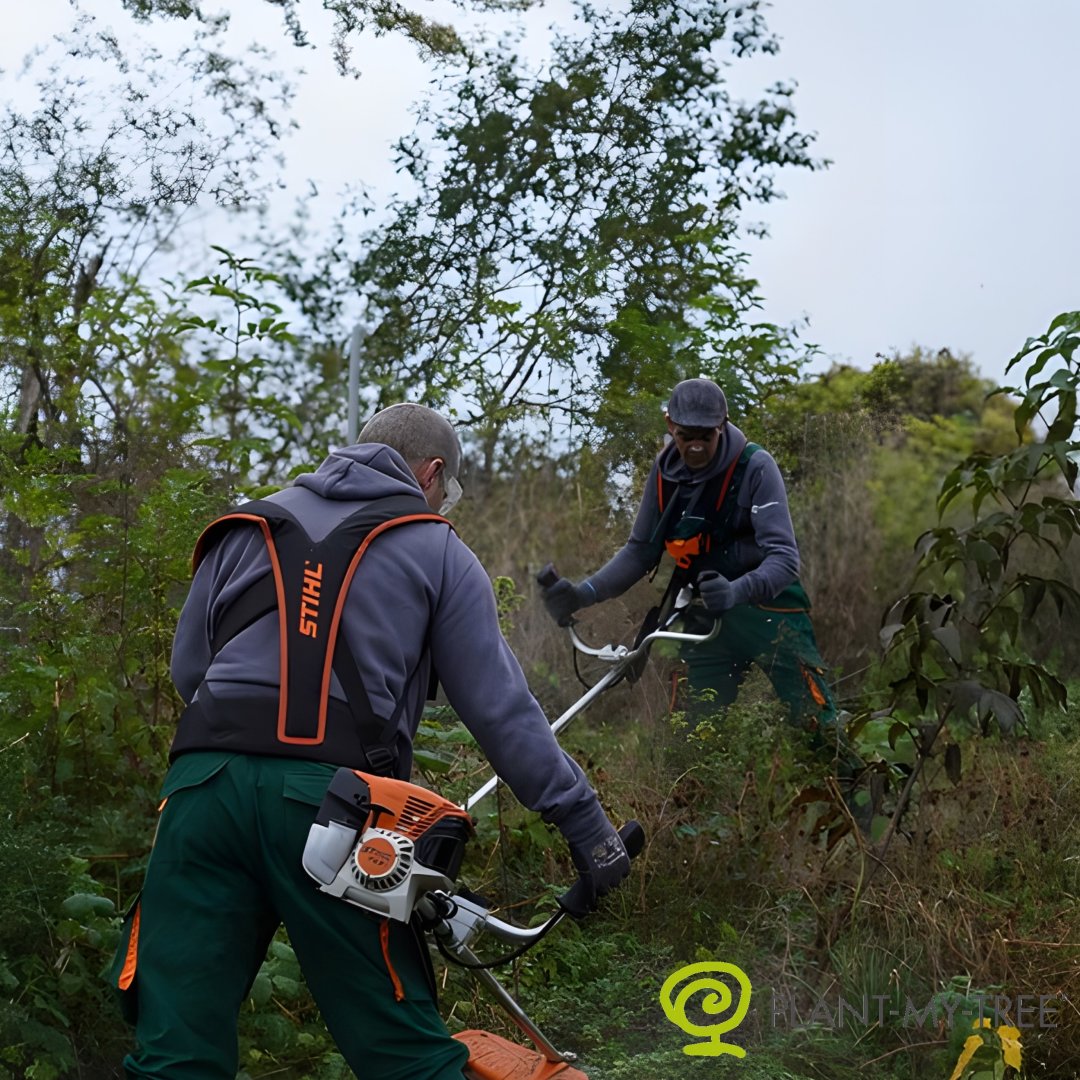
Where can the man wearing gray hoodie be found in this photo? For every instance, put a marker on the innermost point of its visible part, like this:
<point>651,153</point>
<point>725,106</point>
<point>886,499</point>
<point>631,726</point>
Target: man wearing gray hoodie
<point>717,503</point>
<point>253,756</point>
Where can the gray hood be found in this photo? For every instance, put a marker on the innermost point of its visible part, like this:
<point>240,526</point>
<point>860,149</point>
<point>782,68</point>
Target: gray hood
<point>673,468</point>
<point>359,473</point>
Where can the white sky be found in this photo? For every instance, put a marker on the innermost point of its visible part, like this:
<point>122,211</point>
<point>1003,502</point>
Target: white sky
<point>948,218</point>
<point>950,215</point>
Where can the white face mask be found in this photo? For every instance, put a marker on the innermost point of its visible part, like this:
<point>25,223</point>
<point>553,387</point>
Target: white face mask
<point>453,493</point>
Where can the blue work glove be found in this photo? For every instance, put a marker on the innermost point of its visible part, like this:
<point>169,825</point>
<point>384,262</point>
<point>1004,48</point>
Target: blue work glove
<point>716,591</point>
<point>602,862</point>
<point>564,598</point>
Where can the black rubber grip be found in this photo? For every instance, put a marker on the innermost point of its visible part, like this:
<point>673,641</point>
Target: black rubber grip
<point>633,838</point>
<point>548,576</point>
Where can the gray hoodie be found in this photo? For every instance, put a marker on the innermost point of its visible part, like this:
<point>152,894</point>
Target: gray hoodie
<point>419,596</point>
<point>763,538</point>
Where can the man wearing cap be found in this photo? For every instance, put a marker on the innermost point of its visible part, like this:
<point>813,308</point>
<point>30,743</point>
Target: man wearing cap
<point>264,733</point>
<point>717,503</point>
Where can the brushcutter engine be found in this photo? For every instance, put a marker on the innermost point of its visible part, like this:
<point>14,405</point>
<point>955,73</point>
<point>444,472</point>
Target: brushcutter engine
<point>382,844</point>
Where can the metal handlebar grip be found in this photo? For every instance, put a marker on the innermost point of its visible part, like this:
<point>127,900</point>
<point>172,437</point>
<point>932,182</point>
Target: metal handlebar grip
<point>547,577</point>
<point>575,899</point>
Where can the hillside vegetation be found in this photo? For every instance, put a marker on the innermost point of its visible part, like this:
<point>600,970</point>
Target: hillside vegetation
<point>563,247</point>
<point>965,890</point>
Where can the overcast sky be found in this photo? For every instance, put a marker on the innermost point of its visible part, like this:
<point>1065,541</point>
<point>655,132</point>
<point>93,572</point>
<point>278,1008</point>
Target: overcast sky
<point>948,217</point>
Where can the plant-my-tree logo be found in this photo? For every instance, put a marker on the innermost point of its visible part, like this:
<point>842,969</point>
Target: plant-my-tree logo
<point>1024,1011</point>
<point>716,1000</point>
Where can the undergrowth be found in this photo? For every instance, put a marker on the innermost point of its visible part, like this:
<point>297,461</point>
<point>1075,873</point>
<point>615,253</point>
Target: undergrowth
<point>743,864</point>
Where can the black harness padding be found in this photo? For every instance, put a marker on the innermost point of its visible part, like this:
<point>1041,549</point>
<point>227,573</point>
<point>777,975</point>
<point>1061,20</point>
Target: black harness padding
<point>716,501</point>
<point>677,503</point>
<point>307,585</point>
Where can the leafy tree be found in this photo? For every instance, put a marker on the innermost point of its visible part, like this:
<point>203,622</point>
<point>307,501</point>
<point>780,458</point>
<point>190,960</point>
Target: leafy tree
<point>434,39</point>
<point>571,247</point>
<point>866,452</point>
<point>98,396</point>
<point>92,182</point>
<point>957,643</point>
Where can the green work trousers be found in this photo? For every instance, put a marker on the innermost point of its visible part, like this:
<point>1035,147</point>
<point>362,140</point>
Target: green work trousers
<point>782,644</point>
<point>224,873</point>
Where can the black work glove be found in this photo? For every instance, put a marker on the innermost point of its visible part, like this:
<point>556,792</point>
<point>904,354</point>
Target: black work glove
<point>716,591</point>
<point>564,598</point>
<point>602,862</point>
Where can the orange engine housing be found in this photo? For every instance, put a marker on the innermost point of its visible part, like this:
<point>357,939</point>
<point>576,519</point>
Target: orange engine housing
<point>407,808</point>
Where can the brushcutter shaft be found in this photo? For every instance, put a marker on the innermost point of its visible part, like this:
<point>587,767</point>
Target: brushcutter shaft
<point>556,727</point>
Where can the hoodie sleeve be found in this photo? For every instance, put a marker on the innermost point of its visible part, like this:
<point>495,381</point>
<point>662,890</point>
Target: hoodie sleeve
<point>191,642</point>
<point>640,552</point>
<point>774,534</point>
<point>486,687</point>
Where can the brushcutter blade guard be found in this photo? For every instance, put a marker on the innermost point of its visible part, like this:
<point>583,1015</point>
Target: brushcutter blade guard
<point>491,1057</point>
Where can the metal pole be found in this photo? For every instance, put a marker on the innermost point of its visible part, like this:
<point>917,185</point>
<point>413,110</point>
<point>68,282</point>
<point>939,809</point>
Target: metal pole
<point>556,727</point>
<point>358,335</point>
<point>547,1048</point>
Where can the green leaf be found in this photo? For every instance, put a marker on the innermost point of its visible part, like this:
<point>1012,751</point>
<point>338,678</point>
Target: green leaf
<point>279,950</point>
<point>289,989</point>
<point>983,552</point>
<point>1066,318</point>
<point>82,906</point>
<point>1029,345</point>
<point>949,639</point>
<point>1002,707</point>
<point>261,989</point>
<point>72,983</point>
<point>432,760</point>
<point>1034,590</point>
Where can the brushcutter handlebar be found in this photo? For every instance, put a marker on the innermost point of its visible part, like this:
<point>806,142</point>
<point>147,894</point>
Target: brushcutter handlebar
<point>548,576</point>
<point>620,654</point>
<point>461,918</point>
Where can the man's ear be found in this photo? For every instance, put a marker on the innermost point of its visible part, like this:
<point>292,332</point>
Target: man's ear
<point>427,472</point>
<point>670,424</point>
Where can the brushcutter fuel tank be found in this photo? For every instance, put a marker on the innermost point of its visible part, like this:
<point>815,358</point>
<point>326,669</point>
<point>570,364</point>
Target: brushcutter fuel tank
<point>381,844</point>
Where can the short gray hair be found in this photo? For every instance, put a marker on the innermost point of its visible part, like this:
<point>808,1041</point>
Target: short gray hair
<point>416,433</point>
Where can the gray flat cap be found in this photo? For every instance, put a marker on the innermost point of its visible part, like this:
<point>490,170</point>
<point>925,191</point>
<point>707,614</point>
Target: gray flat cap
<point>697,403</point>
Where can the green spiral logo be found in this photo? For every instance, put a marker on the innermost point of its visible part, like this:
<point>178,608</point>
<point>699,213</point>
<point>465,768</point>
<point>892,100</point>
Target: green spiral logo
<point>703,979</point>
